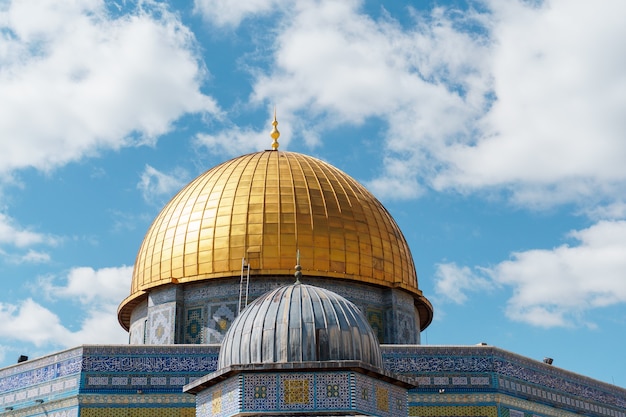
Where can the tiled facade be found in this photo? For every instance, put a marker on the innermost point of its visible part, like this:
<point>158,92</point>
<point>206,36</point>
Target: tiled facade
<point>314,392</point>
<point>443,371</point>
<point>373,397</point>
<point>136,405</point>
<point>141,380</point>
<point>55,378</point>
<point>201,314</point>
<point>106,381</point>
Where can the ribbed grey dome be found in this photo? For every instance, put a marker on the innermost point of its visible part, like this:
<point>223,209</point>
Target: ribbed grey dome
<point>299,323</point>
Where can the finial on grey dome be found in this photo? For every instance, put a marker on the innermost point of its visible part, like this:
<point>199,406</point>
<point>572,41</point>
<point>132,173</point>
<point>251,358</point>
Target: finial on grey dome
<point>298,273</point>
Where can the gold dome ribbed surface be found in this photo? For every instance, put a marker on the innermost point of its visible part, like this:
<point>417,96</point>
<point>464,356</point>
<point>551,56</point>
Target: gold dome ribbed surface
<point>265,206</point>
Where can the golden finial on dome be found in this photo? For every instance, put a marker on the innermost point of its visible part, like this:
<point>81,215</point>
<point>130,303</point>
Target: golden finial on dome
<point>298,273</point>
<point>275,133</point>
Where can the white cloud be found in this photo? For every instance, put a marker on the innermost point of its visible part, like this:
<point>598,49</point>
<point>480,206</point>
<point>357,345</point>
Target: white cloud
<point>394,182</point>
<point>529,103</point>
<point>33,256</point>
<point>30,322</point>
<point>231,13</point>
<point>90,286</point>
<point>156,185</point>
<point>100,326</point>
<point>74,80</point>
<point>567,281</point>
<point>333,59</point>
<point>553,287</point>
<point>453,282</point>
<point>97,291</point>
<point>13,234</point>
<point>612,211</point>
<point>19,242</point>
<point>335,65</point>
<point>554,132</point>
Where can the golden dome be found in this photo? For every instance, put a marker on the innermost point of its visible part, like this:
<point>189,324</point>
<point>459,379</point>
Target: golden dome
<point>264,207</point>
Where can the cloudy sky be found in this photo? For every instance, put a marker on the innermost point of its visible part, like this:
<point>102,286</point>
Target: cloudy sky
<point>493,131</point>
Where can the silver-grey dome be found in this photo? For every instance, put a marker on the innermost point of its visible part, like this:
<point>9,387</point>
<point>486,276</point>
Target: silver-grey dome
<point>299,323</point>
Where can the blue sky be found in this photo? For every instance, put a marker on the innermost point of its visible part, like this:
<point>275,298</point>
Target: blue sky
<point>493,131</point>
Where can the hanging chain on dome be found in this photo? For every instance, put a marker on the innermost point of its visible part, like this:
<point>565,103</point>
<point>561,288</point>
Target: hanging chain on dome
<point>275,133</point>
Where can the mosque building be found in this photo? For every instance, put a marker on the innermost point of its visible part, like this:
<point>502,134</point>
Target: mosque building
<point>275,284</point>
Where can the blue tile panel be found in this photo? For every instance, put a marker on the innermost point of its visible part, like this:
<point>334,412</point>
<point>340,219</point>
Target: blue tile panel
<point>67,407</point>
<point>147,368</point>
<point>208,311</point>
<point>485,368</point>
<point>374,397</point>
<point>312,392</point>
<point>334,390</point>
<point>260,392</point>
<point>105,369</point>
<point>50,379</point>
<point>137,400</point>
<point>221,400</point>
<point>158,370</point>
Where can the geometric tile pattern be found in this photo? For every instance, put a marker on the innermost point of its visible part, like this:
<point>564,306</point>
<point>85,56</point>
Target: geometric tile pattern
<point>285,392</point>
<point>57,388</point>
<point>232,396</point>
<point>489,405</point>
<point>24,377</point>
<point>400,314</point>
<point>138,412</point>
<point>221,315</point>
<point>137,332</point>
<point>54,377</point>
<point>293,391</point>
<point>138,327</point>
<point>364,395</point>
<point>382,399</point>
<point>511,406</point>
<point>376,320</point>
<point>460,411</point>
<point>112,400</point>
<point>559,399</point>
<point>194,323</point>
<point>62,408</point>
<point>296,391</point>
<point>384,309</point>
<point>468,404</point>
<point>375,397</point>
<point>33,411</point>
<point>216,402</point>
<point>332,390</point>
<point>220,400</point>
<point>259,391</point>
<point>471,367</point>
<point>161,324</point>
